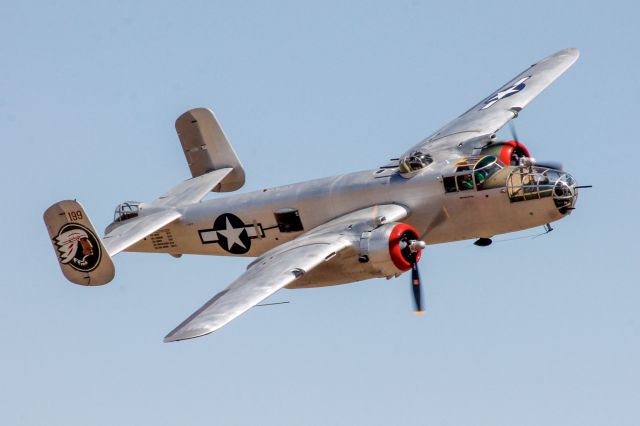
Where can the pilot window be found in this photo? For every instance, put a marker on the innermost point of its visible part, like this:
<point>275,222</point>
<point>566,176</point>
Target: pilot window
<point>465,182</point>
<point>475,172</point>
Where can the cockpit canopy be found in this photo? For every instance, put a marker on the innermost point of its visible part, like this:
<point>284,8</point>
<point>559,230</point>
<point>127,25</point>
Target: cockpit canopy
<point>415,161</point>
<point>481,172</point>
<point>524,182</point>
<point>126,210</point>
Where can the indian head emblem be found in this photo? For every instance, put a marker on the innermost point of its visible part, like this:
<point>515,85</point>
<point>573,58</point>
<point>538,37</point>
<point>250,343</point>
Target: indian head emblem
<point>78,247</point>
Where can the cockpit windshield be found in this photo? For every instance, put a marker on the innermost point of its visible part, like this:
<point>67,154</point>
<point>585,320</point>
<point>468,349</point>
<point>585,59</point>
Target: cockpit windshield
<point>476,172</point>
<point>524,182</point>
<point>484,170</point>
<point>126,210</point>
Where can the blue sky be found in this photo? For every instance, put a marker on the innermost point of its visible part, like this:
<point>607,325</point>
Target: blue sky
<point>527,332</point>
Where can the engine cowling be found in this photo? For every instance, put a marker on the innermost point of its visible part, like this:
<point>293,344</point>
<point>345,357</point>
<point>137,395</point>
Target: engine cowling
<point>509,152</point>
<point>386,249</point>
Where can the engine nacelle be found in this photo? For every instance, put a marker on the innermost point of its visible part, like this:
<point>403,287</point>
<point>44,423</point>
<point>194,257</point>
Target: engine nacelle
<point>509,152</point>
<point>386,250</point>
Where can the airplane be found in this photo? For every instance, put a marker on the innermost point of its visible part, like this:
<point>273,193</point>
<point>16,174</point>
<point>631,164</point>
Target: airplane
<point>459,183</point>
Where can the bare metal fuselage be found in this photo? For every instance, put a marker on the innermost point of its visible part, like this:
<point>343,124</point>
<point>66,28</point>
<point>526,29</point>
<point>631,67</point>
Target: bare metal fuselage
<point>439,217</point>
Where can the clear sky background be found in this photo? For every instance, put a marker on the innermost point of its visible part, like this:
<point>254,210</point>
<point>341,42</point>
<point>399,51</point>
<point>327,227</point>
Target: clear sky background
<point>538,331</point>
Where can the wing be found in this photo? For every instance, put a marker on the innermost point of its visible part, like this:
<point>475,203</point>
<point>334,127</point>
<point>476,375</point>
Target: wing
<point>280,267</point>
<point>252,287</point>
<point>493,112</point>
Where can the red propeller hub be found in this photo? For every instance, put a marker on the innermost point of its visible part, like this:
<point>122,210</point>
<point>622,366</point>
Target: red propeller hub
<point>401,254</point>
<point>512,149</point>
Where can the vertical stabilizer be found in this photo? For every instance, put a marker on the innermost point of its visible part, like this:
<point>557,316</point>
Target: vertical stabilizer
<point>207,148</point>
<point>80,252</point>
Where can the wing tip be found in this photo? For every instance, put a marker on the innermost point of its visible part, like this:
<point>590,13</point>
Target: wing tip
<point>570,55</point>
<point>176,338</point>
<point>177,335</point>
<point>169,339</point>
<point>573,51</point>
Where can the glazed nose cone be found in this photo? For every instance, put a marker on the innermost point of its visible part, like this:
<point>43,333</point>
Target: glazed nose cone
<point>564,193</point>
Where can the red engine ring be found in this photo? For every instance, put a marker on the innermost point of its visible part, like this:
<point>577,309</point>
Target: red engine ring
<point>508,148</point>
<point>395,251</point>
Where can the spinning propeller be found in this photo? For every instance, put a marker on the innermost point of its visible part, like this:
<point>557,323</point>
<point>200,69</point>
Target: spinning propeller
<point>514,134</point>
<point>548,164</point>
<point>415,247</point>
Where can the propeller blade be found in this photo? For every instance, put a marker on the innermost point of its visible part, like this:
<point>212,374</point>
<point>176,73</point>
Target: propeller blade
<point>514,134</point>
<point>556,165</point>
<point>416,287</point>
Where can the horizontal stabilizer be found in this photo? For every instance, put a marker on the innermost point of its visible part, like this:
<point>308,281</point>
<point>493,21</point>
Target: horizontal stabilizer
<point>161,212</point>
<point>80,252</point>
<point>133,230</point>
<point>192,190</point>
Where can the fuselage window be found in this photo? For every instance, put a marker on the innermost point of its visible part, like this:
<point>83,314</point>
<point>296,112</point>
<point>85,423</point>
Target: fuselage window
<point>465,182</point>
<point>476,172</point>
<point>449,184</point>
<point>414,162</point>
<point>126,210</point>
<point>288,220</point>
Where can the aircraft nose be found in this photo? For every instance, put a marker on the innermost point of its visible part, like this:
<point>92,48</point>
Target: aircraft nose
<point>536,182</point>
<point>564,192</point>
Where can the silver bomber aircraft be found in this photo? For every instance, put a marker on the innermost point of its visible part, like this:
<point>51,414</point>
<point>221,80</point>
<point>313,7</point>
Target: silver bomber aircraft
<point>459,183</point>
